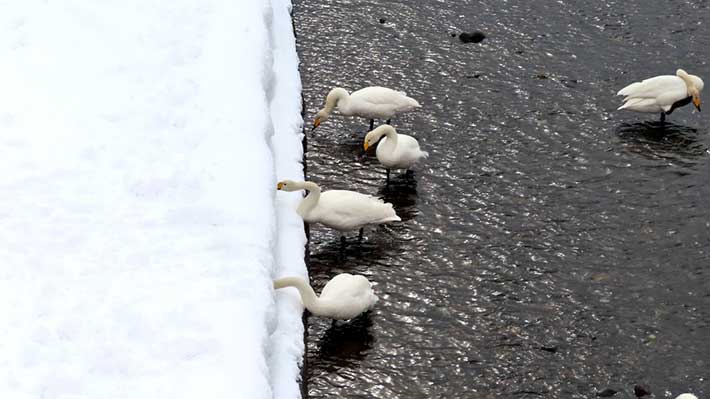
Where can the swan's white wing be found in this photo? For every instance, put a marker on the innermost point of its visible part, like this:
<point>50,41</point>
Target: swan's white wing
<point>347,295</point>
<point>345,285</point>
<point>408,143</point>
<point>377,95</point>
<point>663,90</point>
<point>345,210</point>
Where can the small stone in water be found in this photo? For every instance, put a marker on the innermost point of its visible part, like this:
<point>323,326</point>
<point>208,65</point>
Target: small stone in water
<point>475,37</point>
<point>607,393</point>
<point>382,20</point>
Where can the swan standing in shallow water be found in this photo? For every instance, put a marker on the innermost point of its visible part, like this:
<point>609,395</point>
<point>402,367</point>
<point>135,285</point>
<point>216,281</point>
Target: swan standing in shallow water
<point>394,151</point>
<point>342,210</point>
<point>343,297</point>
<point>662,93</point>
<point>370,102</point>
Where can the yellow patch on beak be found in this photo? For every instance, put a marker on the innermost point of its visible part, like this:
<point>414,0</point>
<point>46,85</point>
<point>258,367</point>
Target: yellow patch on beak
<point>696,102</point>
<point>366,146</point>
<point>279,186</point>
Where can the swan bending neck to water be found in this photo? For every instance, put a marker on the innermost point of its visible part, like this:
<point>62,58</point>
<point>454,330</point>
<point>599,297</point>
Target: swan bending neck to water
<point>308,295</point>
<point>311,199</point>
<point>370,102</point>
<point>343,297</point>
<point>394,151</point>
<point>663,94</point>
<point>342,210</point>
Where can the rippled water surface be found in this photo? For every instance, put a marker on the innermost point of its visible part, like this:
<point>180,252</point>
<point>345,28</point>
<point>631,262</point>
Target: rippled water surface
<point>550,246</point>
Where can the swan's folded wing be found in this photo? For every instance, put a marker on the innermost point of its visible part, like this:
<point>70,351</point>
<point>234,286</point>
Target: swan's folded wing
<point>665,89</point>
<point>377,95</point>
<point>353,208</point>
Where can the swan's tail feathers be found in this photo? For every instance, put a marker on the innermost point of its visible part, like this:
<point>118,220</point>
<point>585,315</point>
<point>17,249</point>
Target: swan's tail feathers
<point>423,155</point>
<point>373,301</point>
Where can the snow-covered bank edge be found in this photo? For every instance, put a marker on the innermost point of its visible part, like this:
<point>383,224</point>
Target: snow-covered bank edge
<point>286,341</point>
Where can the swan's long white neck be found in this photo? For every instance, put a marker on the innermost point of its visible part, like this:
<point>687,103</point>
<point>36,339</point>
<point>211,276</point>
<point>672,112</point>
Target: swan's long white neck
<point>337,97</point>
<point>308,296</point>
<point>311,199</point>
<point>388,131</point>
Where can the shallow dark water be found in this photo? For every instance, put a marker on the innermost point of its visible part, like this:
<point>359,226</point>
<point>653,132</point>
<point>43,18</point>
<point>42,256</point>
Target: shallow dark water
<point>550,246</point>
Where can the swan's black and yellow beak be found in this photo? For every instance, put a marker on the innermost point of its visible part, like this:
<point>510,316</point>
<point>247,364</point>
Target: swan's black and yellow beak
<point>280,186</point>
<point>696,102</point>
<point>316,123</point>
<point>366,146</point>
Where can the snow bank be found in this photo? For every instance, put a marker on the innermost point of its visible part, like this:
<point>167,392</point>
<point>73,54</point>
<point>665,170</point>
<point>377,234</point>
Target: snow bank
<point>139,147</point>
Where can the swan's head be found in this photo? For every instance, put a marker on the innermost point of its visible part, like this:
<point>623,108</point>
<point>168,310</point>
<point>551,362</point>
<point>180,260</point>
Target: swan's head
<point>695,86</point>
<point>695,93</point>
<point>288,185</point>
<point>321,116</point>
<point>374,136</point>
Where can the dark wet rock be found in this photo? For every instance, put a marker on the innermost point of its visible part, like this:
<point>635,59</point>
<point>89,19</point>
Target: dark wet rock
<point>452,34</point>
<point>541,76</point>
<point>382,20</point>
<point>549,348</point>
<point>475,37</point>
<point>607,393</point>
<point>519,51</point>
<point>641,390</point>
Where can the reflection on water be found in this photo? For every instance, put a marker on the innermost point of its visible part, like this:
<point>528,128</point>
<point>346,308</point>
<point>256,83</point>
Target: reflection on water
<point>659,140</point>
<point>344,344</point>
<point>550,246</point>
<point>401,192</point>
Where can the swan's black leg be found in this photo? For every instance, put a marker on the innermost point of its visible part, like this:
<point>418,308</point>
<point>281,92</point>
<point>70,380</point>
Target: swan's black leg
<point>388,176</point>
<point>359,237</point>
<point>388,121</point>
<point>372,124</point>
<point>342,241</point>
<point>663,116</point>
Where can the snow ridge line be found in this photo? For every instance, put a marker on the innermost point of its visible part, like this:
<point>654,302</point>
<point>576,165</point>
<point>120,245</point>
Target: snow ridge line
<point>286,337</point>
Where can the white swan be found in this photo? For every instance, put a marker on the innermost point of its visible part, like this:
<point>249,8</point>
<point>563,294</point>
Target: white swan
<point>394,151</point>
<point>686,396</point>
<point>662,93</point>
<point>342,210</point>
<point>370,102</point>
<point>343,297</point>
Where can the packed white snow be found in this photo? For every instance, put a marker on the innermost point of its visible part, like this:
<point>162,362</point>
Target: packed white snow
<point>140,145</point>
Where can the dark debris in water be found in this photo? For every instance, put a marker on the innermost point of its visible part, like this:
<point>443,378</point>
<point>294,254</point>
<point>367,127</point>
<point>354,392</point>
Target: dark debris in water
<point>474,37</point>
<point>607,393</point>
<point>641,390</point>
